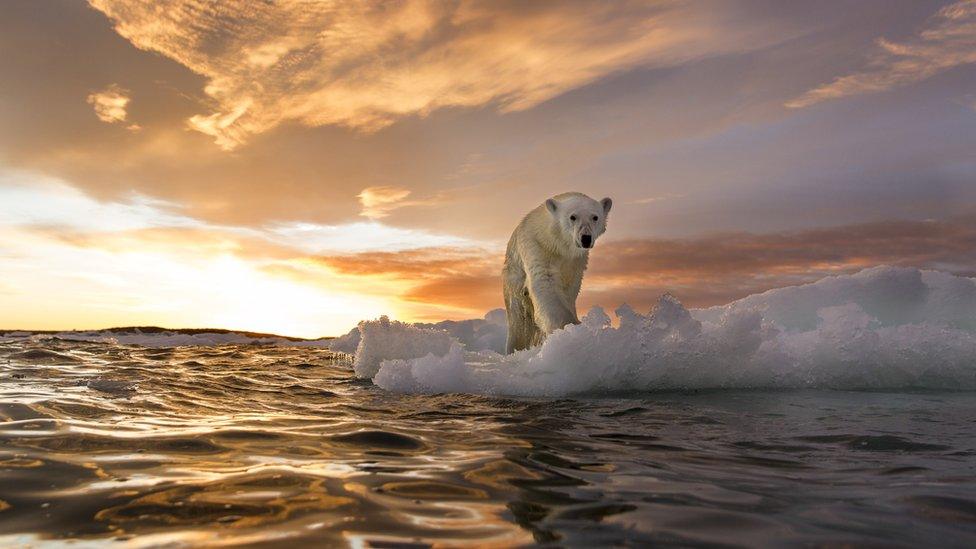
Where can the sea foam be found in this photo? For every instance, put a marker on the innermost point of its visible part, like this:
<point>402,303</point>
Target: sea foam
<point>882,328</point>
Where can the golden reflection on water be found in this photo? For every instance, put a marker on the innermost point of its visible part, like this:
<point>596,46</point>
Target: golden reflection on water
<point>237,445</point>
<point>442,508</point>
<point>230,445</point>
<point>237,503</point>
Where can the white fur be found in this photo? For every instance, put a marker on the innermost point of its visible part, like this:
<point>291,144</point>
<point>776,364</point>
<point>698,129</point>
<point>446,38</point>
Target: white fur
<point>544,266</point>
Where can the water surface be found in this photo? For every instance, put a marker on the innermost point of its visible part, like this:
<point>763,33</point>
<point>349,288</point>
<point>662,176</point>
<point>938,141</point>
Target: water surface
<point>130,446</point>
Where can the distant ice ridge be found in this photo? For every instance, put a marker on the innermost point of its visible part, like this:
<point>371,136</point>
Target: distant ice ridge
<point>160,339</point>
<point>882,328</point>
<point>476,334</point>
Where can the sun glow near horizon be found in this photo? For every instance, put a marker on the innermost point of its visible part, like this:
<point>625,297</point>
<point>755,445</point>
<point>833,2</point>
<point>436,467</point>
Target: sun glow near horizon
<point>94,289</point>
<point>85,264</point>
<point>243,297</point>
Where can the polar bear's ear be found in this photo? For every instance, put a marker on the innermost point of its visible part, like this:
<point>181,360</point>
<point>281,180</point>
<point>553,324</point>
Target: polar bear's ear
<point>607,203</point>
<point>551,206</point>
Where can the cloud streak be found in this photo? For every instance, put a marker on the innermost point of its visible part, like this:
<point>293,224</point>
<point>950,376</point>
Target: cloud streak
<point>364,65</point>
<point>703,271</point>
<point>439,281</point>
<point>378,202</point>
<point>716,269</point>
<point>947,41</point>
<point>110,104</point>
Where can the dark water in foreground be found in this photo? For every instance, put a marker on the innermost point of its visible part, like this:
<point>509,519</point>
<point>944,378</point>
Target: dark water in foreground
<point>127,446</point>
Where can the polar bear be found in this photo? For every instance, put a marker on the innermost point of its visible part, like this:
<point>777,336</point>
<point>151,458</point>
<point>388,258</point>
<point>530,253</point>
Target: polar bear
<point>544,265</point>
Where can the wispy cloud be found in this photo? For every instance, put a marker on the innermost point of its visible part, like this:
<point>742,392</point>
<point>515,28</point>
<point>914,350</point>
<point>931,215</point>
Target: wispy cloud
<point>948,40</point>
<point>713,270</point>
<point>448,280</point>
<point>365,65</point>
<point>658,198</point>
<point>378,202</point>
<point>358,237</point>
<point>110,104</point>
<point>32,201</point>
<point>703,271</point>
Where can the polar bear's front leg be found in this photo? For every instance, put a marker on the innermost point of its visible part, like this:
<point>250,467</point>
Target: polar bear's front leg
<point>551,310</point>
<point>521,321</point>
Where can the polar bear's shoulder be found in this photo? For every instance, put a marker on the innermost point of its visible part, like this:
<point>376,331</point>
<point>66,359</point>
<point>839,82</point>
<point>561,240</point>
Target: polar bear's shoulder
<point>535,225</point>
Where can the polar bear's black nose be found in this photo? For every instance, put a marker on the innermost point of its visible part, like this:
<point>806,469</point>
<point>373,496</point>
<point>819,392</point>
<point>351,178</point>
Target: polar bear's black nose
<point>586,240</point>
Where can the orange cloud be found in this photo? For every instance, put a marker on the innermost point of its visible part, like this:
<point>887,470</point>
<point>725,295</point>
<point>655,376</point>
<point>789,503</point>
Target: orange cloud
<point>110,104</point>
<point>379,201</point>
<point>185,242</point>
<point>364,65</point>
<point>421,263</point>
<point>947,41</point>
<point>456,282</point>
<point>704,271</point>
<point>473,294</point>
<point>716,269</point>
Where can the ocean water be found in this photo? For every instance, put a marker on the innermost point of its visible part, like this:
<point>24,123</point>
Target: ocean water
<point>123,445</point>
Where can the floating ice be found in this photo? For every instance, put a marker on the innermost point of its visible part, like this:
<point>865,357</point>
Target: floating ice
<point>346,343</point>
<point>480,334</point>
<point>883,328</point>
<point>388,339</point>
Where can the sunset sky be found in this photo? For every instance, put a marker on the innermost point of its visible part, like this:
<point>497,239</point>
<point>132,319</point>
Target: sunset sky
<point>294,167</point>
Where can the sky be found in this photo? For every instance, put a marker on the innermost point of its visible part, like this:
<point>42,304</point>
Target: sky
<point>294,167</point>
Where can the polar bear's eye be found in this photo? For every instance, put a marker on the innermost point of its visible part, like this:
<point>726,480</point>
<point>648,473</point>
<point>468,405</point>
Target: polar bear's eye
<point>572,218</point>
<point>595,218</point>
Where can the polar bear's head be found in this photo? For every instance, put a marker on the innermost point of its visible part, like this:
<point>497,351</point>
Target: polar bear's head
<point>581,219</point>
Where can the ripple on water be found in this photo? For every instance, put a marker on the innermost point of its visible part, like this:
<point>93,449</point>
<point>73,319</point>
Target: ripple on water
<point>381,440</point>
<point>949,509</point>
<point>244,502</point>
<point>202,446</point>
<point>68,442</point>
<point>429,489</point>
<point>43,355</point>
<point>112,386</point>
<point>248,435</point>
<point>876,443</point>
<point>16,411</point>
